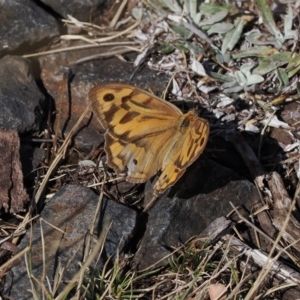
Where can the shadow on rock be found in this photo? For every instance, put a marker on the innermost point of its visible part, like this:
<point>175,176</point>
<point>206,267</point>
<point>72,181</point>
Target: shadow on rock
<point>202,195</point>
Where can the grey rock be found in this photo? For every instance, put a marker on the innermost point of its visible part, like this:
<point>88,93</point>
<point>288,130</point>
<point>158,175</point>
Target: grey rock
<point>200,196</point>
<point>22,103</point>
<point>24,24</point>
<point>76,8</point>
<point>65,223</point>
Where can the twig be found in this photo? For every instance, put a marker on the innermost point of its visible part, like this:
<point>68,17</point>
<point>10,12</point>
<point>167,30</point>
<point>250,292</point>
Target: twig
<point>88,243</point>
<point>258,175</point>
<point>263,132</point>
<point>99,245</point>
<point>257,229</point>
<point>110,53</point>
<point>80,47</point>
<point>270,262</point>
<point>249,158</point>
<point>63,89</point>
<point>118,14</point>
<point>100,40</point>
<point>60,155</point>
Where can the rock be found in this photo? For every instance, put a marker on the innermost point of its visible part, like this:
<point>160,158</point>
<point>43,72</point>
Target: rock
<point>65,223</point>
<point>23,25</point>
<point>200,196</point>
<point>85,77</point>
<point>13,196</point>
<point>79,9</point>
<point>22,103</point>
<point>31,157</point>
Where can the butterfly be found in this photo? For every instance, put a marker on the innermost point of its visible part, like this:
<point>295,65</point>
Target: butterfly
<point>145,134</point>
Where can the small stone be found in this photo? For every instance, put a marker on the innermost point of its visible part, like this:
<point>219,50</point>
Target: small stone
<point>22,103</point>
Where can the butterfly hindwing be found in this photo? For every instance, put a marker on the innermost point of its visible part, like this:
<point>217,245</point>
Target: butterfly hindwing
<point>141,160</point>
<point>188,143</point>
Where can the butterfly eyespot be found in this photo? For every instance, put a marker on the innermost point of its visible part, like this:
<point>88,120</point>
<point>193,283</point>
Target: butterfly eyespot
<point>108,97</point>
<point>135,161</point>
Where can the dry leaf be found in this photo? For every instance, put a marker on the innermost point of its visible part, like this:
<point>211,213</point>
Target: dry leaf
<point>217,291</point>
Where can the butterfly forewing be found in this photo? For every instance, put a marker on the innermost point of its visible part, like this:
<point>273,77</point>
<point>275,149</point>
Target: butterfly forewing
<point>130,113</point>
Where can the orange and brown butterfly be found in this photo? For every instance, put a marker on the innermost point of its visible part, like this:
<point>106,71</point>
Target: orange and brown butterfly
<point>146,134</point>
